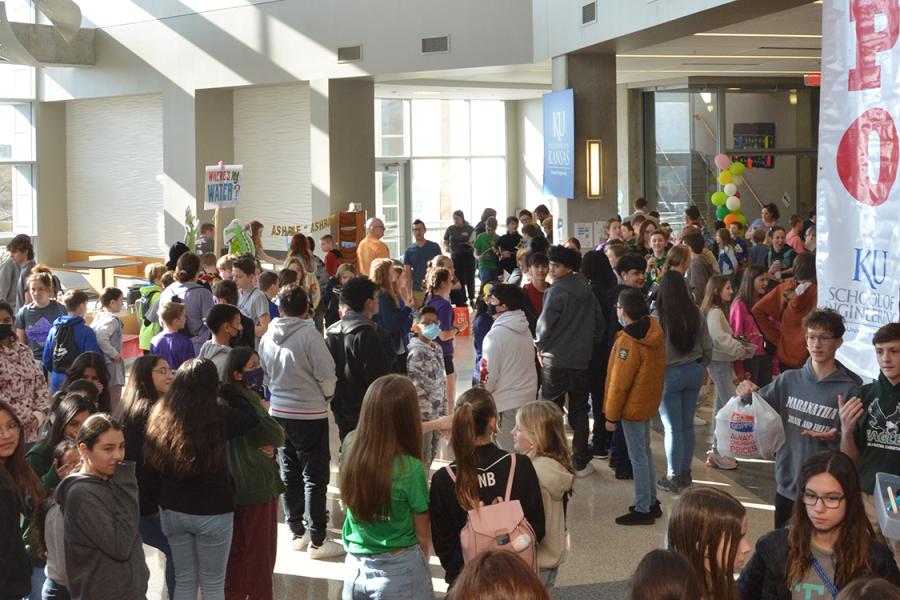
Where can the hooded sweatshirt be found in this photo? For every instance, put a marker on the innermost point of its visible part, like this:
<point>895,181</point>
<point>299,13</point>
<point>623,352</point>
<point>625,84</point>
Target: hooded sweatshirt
<point>218,354</point>
<point>425,367</point>
<point>876,434</point>
<point>197,301</point>
<point>633,382</point>
<point>104,557</point>
<point>508,361</point>
<point>108,328</point>
<point>299,367</point>
<point>151,293</point>
<point>85,341</point>
<point>570,324</point>
<point>805,403</point>
<point>556,484</point>
<point>780,314</point>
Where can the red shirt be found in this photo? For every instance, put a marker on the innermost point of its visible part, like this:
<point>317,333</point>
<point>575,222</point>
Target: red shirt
<point>332,262</point>
<point>535,297</point>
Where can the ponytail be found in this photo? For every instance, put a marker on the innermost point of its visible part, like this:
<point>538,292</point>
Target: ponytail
<point>435,278</point>
<point>471,418</point>
<point>187,267</point>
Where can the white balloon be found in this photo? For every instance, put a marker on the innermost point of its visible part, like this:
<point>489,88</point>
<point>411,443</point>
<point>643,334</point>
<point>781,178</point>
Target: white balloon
<point>730,189</point>
<point>733,203</point>
<point>737,180</point>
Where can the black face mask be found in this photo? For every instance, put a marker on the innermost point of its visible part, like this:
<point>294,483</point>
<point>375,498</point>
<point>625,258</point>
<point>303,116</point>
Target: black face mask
<point>6,331</point>
<point>492,310</point>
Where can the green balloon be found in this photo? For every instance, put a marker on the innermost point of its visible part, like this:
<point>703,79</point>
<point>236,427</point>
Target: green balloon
<point>737,168</point>
<point>722,212</point>
<point>719,198</point>
<point>742,219</point>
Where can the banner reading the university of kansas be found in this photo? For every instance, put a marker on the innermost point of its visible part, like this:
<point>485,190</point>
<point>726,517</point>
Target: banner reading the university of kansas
<point>559,144</point>
<point>858,196</point>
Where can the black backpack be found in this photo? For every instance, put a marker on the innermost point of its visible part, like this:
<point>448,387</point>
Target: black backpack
<point>175,298</point>
<point>147,308</point>
<point>65,350</point>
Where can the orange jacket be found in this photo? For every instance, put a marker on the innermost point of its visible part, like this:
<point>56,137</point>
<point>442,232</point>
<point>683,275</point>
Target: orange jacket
<point>634,381</point>
<point>780,314</point>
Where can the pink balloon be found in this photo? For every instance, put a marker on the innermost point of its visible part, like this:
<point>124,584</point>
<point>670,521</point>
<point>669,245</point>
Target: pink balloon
<point>722,161</point>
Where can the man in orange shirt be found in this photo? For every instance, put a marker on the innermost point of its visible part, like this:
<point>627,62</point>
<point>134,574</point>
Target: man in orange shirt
<point>371,247</point>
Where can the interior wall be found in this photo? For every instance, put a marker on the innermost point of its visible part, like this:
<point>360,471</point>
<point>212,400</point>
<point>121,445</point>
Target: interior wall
<point>272,142</point>
<point>52,214</point>
<point>214,122</point>
<point>114,155</point>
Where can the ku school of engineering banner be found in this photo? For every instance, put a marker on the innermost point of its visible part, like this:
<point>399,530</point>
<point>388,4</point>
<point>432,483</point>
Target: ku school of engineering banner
<point>858,197</point>
<point>559,144</point>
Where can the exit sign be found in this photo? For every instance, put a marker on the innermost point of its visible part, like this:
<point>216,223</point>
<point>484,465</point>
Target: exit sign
<point>812,79</point>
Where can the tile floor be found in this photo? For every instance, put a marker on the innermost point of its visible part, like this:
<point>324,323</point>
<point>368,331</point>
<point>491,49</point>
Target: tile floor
<point>603,554</point>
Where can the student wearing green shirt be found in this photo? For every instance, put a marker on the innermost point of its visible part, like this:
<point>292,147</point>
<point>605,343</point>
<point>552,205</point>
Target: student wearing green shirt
<point>486,251</point>
<point>870,421</point>
<point>387,532</point>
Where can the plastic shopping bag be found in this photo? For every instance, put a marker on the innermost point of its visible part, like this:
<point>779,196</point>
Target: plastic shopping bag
<point>750,430</point>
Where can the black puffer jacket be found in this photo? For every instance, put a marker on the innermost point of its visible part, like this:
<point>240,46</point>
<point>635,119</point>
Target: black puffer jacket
<point>765,576</point>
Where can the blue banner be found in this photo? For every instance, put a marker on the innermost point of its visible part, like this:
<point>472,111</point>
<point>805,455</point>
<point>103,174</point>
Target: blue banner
<point>559,144</point>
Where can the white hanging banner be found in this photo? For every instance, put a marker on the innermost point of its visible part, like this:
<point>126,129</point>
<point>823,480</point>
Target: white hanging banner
<point>858,199</point>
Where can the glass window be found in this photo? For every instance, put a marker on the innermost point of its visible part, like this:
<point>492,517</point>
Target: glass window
<point>439,186</point>
<point>391,127</point>
<point>21,11</point>
<point>488,186</point>
<point>16,199</point>
<point>440,128</point>
<point>488,128</point>
<point>16,132</point>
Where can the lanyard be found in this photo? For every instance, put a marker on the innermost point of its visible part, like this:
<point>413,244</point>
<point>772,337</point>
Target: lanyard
<point>831,589</point>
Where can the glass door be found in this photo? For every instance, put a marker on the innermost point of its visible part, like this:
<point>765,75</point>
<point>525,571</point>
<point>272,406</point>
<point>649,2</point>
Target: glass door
<point>390,204</point>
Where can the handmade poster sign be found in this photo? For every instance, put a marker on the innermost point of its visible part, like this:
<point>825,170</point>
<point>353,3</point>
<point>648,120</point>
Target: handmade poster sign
<point>223,186</point>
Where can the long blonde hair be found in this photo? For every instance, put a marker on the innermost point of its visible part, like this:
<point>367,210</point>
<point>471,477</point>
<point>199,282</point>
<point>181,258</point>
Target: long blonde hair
<point>380,273</point>
<point>472,417</point>
<point>542,422</point>
<point>389,427</point>
<point>678,256</point>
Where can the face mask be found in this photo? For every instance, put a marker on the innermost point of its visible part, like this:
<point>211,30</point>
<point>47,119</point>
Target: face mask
<point>254,378</point>
<point>237,336</point>
<point>492,310</point>
<point>431,331</point>
<point>6,331</point>
<point>622,322</point>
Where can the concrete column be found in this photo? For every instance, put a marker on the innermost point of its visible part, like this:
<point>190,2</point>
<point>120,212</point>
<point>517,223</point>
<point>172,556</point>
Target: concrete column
<point>593,77</point>
<point>630,144</point>
<point>179,160</point>
<point>351,128</point>
<point>320,149</point>
<point>214,135</point>
<point>50,179</point>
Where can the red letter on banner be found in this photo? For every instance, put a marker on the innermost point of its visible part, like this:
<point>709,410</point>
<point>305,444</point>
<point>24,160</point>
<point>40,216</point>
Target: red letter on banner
<point>853,157</point>
<point>869,42</point>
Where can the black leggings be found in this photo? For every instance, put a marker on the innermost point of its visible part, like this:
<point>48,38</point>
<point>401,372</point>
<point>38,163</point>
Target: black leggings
<point>464,265</point>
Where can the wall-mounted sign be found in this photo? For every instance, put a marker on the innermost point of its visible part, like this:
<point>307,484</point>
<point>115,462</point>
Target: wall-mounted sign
<point>559,144</point>
<point>222,186</point>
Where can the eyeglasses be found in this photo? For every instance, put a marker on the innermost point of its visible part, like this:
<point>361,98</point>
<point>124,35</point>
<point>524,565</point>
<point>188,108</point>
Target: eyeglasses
<point>810,499</point>
<point>819,338</point>
<point>163,370</point>
<point>11,429</point>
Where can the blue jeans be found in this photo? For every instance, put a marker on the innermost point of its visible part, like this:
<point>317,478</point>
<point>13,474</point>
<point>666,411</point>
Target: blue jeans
<point>680,392</point>
<point>200,546</point>
<point>37,581</point>
<point>722,375</point>
<point>305,471</point>
<point>152,535</point>
<point>401,576</point>
<point>54,591</point>
<point>637,436</point>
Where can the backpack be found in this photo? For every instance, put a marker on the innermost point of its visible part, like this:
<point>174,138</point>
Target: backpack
<point>500,525</point>
<point>180,300</point>
<point>65,350</point>
<point>147,308</point>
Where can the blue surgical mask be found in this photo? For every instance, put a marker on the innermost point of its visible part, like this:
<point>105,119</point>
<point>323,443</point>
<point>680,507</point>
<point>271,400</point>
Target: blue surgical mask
<point>622,322</point>
<point>254,378</point>
<point>431,331</point>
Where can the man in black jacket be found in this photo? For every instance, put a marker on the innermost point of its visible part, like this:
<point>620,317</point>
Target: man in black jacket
<point>362,351</point>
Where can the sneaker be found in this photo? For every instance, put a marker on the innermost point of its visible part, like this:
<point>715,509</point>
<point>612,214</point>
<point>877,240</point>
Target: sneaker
<point>684,480</point>
<point>698,422</point>
<point>301,542</point>
<point>624,475</point>
<point>588,469</point>
<point>655,509</point>
<point>636,518</point>
<point>601,452</point>
<point>717,461</point>
<point>668,485</point>
<point>328,549</point>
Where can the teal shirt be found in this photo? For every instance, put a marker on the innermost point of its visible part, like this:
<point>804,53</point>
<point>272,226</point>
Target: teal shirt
<point>395,530</point>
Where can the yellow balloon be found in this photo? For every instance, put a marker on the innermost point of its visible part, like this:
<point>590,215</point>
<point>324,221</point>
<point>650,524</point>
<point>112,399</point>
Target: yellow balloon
<point>725,177</point>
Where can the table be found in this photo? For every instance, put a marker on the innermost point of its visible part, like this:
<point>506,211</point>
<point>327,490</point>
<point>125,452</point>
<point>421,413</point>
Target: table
<point>102,265</point>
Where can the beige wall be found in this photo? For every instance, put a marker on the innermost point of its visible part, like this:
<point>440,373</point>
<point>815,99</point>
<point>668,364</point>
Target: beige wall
<point>351,133</point>
<point>215,141</point>
<point>52,217</point>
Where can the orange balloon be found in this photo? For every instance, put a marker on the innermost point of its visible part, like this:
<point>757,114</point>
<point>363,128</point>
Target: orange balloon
<point>729,219</point>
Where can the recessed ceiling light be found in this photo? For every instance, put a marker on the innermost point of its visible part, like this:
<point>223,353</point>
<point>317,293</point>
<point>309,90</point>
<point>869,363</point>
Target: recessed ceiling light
<point>763,35</point>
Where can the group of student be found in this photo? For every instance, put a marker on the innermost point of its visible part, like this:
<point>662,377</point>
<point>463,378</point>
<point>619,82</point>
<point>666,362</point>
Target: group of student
<point>237,370</point>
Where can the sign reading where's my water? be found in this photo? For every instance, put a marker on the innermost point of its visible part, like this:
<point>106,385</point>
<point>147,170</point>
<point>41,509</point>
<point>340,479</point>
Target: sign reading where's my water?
<point>559,144</point>
<point>222,186</point>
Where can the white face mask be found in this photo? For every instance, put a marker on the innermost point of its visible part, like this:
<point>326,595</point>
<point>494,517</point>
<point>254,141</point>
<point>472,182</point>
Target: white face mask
<point>802,287</point>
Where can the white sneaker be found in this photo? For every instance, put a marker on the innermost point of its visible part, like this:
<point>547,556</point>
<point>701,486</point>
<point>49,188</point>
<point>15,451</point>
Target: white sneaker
<point>698,422</point>
<point>717,461</point>
<point>301,543</point>
<point>328,549</point>
<point>587,470</point>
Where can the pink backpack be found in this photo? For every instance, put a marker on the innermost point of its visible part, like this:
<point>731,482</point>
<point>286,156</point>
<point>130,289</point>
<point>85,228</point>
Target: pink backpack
<point>500,525</point>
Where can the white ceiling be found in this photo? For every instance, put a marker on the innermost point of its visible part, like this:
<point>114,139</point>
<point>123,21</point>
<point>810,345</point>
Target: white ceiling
<point>783,44</point>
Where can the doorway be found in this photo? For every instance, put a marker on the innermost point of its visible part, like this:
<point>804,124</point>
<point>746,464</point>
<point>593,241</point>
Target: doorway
<point>392,203</point>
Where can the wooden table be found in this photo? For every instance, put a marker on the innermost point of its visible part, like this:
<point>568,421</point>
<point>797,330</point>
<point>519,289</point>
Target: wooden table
<point>102,265</point>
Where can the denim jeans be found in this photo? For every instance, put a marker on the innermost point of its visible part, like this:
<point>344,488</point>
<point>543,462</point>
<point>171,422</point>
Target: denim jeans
<point>37,580</point>
<point>722,375</point>
<point>400,576</point>
<point>548,577</point>
<point>556,384</point>
<point>54,591</point>
<point>305,471</point>
<point>152,535</point>
<point>679,402</point>
<point>637,436</point>
<point>200,546</point>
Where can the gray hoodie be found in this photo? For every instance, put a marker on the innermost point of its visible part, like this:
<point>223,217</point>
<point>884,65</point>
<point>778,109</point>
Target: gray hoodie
<point>104,557</point>
<point>570,324</point>
<point>805,404</point>
<point>299,367</point>
<point>218,354</point>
